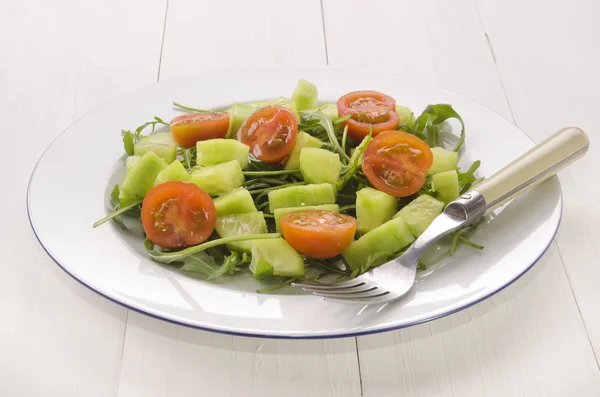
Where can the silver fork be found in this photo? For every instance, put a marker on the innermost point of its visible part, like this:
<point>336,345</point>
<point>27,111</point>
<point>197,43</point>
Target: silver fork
<point>392,280</point>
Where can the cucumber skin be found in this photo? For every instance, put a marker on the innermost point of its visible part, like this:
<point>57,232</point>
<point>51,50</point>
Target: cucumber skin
<point>301,196</point>
<point>390,237</point>
<point>238,201</point>
<point>405,114</point>
<point>278,253</point>
<point>161,143</point>
<point>320,165</point>
<point>173,172</point>
<point>239,225</point>
<point>279,212</point>
<point>305,95</point>
<point>443,160</point>
<point>217,151</point>
<point>140,178</point>
<point>218,179</point>
<point>445,184</point>
<point>373,209</point>
<point>303,140</point>
<point>419,213</point>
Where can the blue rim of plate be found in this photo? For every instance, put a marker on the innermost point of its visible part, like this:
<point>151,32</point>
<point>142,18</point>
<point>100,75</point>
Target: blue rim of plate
<point>296,337</point>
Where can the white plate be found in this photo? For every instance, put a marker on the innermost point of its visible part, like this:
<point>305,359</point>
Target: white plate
<point>68,192</point>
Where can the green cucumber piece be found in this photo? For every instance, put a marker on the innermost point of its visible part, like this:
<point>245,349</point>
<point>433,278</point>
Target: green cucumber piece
<point>303,140</point>
<point>218,179</point>
<point>330,110</point>
<point>130,161</point>
<point>445,184</point>
<point>217,151</point>
<point>239,112</point>
<point>238,201</point>
<point>161,143</point>
<point>373,209</point>
<point>301,196</point>
<point>419,213</point>
<point>443,160</point>
<point>320,165</point>
<point>263,270</point>
<point>390,237</point>
<point>405,114</point>
<point>140,178</point>
<point>241,225</point>
<point>305,95</point>
<point>173,172</point>
<point>279,212</point>
<point>279,254</point>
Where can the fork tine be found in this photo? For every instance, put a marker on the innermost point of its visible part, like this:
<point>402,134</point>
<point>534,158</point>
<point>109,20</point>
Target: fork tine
<point>330,287</point>
<point>373,293</point>
<point>366,287</point>
<point>365,302</point>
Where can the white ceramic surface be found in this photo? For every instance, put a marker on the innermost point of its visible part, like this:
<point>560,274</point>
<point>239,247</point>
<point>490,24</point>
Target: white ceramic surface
<point>69,187</point>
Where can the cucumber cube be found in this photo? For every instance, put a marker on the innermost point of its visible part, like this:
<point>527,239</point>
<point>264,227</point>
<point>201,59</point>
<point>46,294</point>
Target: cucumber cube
<point>405,114</point>
<point>130,161</point>
<point>263,270</point>
<point>217,151</point>
<point>390,237</point>
<point>330,110</point>
<point>238,201</point>
<point>419,213</point>
<point>218,179</point>
<point>320,165</point>
<point>373,209</point>
<point>140,178</point>
<point>303,140</point>
<point>173,172</point>
<point>301,196</point>
<point>443,160</point>
<point>305,95</point>
<point>279,254</point>
<point>241,225</point>
<point>279,212</point>
<point>445,184</point>
<point>161,143</point>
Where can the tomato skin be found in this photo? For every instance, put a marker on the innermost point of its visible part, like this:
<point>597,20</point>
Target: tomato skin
<point>177,215</point>
<point>270,133</point>
<point>188,129</point>
<point>396,163</point>
<point>357,130</point>
<point>318,234</point>
<point>364,101</point>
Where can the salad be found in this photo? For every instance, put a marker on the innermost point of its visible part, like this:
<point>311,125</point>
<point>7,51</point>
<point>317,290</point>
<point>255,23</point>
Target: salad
<point>291,189</point>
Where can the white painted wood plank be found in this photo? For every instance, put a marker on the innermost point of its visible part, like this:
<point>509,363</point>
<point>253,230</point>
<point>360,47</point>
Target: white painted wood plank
<point>161,359</point>
<point>60,59</point>
<point>529,339</point>
<point>549,62</point>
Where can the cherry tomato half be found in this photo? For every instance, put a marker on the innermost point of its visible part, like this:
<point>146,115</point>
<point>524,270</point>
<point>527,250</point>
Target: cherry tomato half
<point>318,234</point>
<point>188,129</point>
<point>370,111</point>
<point>396,163</point>
<point>270,133</point>
<point>178,214</point>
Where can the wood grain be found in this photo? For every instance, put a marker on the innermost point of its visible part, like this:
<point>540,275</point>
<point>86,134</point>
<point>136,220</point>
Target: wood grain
<point>60,60</point>
<point>161,359</point>
<point>551,73</point>
<point>529,338</point>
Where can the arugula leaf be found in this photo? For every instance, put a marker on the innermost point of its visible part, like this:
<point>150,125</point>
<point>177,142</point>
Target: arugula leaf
<point>200,264</point>
<point>114,195</point>
<point>117,212</point>
<point>324,122</point>
<point>432,118</point>
<point>157,120</point>
<point>354,163</point>
<point>466,179</point>
<point>128,142</point>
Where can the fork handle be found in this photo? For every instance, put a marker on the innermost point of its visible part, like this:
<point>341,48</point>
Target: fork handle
<point>536,165</point>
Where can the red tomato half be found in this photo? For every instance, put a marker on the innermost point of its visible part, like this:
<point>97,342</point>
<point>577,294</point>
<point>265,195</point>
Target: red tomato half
<point>270,133</point>
<point>396,163</point>
<point>178,214</point>
<point>370,111</point>
<point>318,234</point>
<point>188,129</point>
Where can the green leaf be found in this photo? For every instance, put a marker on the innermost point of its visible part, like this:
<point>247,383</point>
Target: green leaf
<point>114,195</point>
<point>128,142</point>
<point>466,179</point>
<point>117,212</point>
<point>354,163</point>
<point>200,264</point>
<point>434,116</point>
<point>325,123</point>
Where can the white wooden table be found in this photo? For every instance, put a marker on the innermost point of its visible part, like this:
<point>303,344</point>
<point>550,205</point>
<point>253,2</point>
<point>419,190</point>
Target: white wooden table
<point>535,62</point>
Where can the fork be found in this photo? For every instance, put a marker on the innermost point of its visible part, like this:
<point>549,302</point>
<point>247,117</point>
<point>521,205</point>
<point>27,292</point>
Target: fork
<point>392,280</point>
